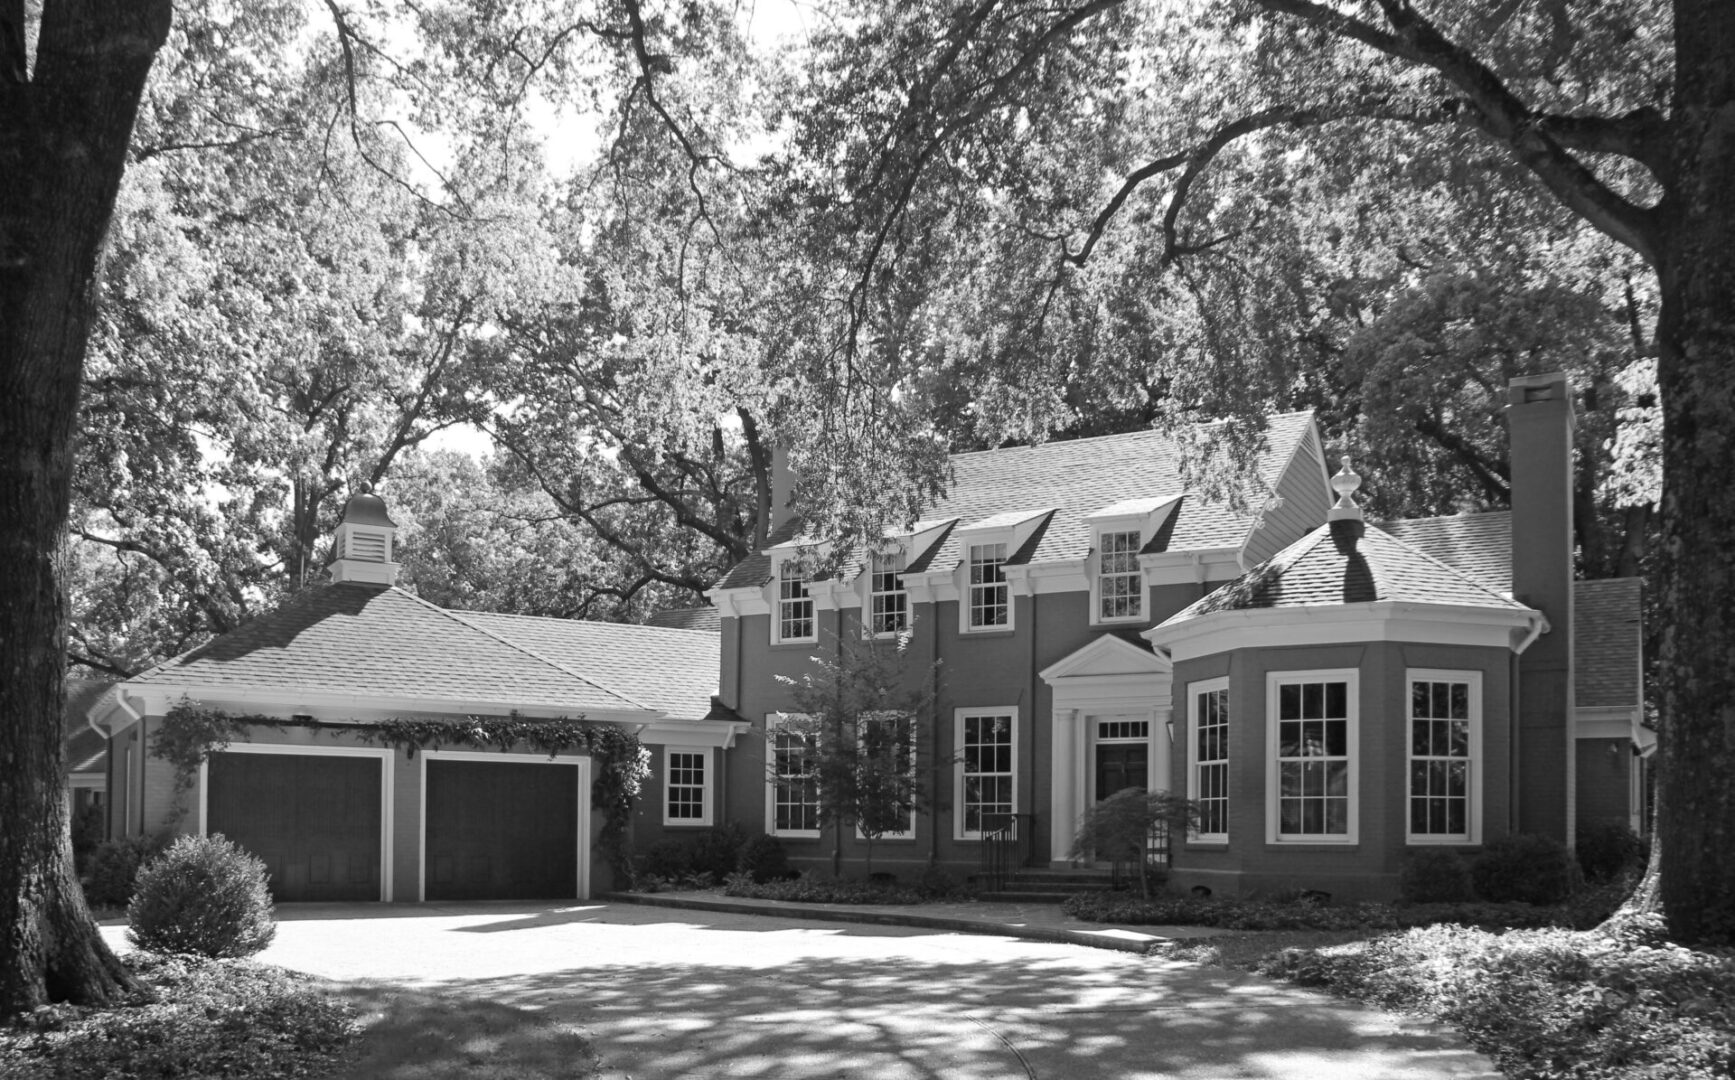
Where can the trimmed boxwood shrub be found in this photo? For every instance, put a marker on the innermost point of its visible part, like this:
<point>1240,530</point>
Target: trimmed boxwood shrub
<point>716,851</point>
<point>203,896</point>
<point>763,859</point>
<point>1526,868</point>
<point>1434,876</point>
<point>114,867</point>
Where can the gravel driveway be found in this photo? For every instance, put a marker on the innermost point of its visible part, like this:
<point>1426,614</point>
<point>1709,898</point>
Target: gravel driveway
<point>680,994</point>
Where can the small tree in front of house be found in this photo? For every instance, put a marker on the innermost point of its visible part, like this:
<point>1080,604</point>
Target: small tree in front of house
<point>1120,827</point>
<point>849,750</point>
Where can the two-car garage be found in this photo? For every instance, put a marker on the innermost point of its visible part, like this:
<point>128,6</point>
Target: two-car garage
<point>333,823</point>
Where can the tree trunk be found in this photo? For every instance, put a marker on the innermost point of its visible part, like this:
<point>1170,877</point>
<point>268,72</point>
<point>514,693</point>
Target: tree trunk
<point>1696,367</point>
<point>64,129</point>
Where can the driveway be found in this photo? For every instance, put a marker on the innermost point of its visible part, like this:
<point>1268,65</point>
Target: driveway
<point>682,994</point>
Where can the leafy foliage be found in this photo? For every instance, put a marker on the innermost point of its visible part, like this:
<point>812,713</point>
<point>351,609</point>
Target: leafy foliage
<point>1607,849</point>
<point>114,868</point>
<point>190,733</point>
<point>1434,875</point>
<point>1546,1003</point>
<point>203,896</point>
<point>210,1018</point>
<point>806,890</point>
<point>1122,827</point>
<point>764,859</point>
<point>1526,868</point>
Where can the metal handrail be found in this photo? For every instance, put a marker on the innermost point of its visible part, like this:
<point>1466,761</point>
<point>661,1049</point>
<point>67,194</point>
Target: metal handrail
<point>1003,847</point>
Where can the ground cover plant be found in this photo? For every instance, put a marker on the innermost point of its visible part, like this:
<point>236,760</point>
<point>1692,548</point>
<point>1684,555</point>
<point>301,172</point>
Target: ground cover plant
<point>231,1018</point>
<point>1544,1003</point>
<point>811,890</point>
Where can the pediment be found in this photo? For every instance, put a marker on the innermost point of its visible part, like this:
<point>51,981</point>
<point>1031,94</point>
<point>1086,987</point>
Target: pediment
<point>1108,655</point>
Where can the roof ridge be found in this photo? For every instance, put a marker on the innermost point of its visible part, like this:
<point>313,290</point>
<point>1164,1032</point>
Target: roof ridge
<point>1441,564</point>
<point>598,622</point>
<point>1269,418</point>
<point>533,654</point>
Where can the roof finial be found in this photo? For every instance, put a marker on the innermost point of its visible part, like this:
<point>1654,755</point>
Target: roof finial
<point>1345,516</point>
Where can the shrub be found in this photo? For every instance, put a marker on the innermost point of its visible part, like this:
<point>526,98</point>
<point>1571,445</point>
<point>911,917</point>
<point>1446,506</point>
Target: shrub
<point>87,829</point>
<point>1120,827</point>
<point>114,866</point>
<point>1606,849</point>
<point>1524,867</point>
<point>809,891</point>
<point>763,859</point>
<point>1175,910</point>
<point>1434,876</point>
<point>717,851</point>
<point>203,896</point>
<point>670,859</point>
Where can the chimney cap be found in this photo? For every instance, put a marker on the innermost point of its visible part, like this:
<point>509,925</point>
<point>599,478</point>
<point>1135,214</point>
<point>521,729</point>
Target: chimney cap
<point>367,509</point>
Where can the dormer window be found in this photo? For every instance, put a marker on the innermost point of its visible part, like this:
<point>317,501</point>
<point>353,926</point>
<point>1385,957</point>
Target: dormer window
<point>888,601</point>
<point>1120,592</point>
<point>795,621</point>
<point>989,599</point>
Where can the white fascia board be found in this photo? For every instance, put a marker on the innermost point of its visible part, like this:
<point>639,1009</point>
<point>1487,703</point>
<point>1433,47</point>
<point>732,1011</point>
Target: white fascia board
<point>1381,620</point>
<point>740,602</point>
<point>1013,530</point>
<point>1054,576</point>
<point>1609,722</point>
<point>1191,567</point>
<point>931,586</point>
<point>1109,650</point>
<point>669,731</point>
<point>341,707</point>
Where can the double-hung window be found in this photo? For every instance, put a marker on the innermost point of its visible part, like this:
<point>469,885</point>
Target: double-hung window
<point>794,604</point>
<point>1445,712</point>
<point>989,601</point>
<point>686,786</point>
<point>986,776</point>
<point>1311,785</point>
<point>886,780</point>
<point>1208,773</point>
<point>1120,590</point>
<point>888,602</point>
<point>792,786</point>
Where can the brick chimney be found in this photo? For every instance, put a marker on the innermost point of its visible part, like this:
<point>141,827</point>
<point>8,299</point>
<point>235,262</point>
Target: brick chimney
<point>782,487</point>
<point>1539,420</point>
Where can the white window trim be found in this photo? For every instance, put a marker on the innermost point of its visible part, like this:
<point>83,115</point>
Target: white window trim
<point>1194,690</point>
<point>909,831</point>
<point>705,785</point>
<point>1473,811</point>
<point>1123,525</point>
<point>773,723</point>
<point>868,594</point>
<point>966,591</point>
<point>777,637</point>
<point>1351,678</point>
<point>958,718</point>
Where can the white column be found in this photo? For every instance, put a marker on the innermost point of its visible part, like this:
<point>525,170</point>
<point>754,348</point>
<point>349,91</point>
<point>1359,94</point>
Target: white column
<point>1063,799</point>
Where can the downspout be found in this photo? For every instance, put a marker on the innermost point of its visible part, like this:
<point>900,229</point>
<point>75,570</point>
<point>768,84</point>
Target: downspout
<point>1538,627</point>
<point>1029,842</point>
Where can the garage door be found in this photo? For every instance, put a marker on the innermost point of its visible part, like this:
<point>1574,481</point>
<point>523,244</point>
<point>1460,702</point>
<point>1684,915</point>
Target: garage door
<point>501,830</point>
<point>314,821</point>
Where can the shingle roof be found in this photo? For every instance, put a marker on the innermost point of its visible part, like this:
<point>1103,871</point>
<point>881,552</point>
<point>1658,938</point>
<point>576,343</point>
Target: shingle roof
<point>692,618</point>
<point>672,670</point>
<point>1607,636</point>
<point>1318,570</point>
<point>378,640</point>
<point>1479,545</point>
<point>1077,477</point>
<point>85,749</point>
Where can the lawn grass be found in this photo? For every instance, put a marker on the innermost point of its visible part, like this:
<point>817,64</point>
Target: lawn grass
<point>251,1021</point>
<point>404,1034</point>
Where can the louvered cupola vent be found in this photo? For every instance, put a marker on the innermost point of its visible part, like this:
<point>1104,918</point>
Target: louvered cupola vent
<point>365,539</point>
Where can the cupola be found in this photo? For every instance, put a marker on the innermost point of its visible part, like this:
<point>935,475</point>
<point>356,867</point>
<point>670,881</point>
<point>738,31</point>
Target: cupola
<point>364,542</point>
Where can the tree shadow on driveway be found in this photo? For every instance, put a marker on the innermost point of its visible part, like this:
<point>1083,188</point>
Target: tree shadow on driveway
<point>893,1018</point>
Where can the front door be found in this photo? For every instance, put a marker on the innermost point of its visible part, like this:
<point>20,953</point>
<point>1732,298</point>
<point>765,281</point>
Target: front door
<point>1120,766</point>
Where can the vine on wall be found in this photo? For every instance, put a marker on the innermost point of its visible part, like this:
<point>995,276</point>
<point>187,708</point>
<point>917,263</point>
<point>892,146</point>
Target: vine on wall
<point>190,732</point>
